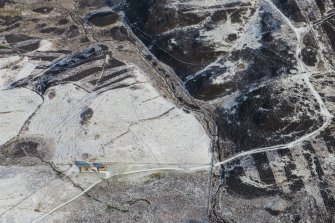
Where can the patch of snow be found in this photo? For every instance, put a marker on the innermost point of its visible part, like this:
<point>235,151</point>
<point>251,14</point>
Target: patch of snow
<point>26,69</point>
<point>16,106</point>
<point>122,129</point>
<point>45,45</point>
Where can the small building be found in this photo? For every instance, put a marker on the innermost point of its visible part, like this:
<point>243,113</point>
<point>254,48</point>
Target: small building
<point>85,167</point>
<point>100,167</point>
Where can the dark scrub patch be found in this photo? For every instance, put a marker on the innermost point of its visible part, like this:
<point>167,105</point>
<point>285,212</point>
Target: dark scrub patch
<point>105,48</point>
<point>52,94</point>
<point>309,56</point>
<point>188,56</point>
<point>63,22</point>
<point>317,171</point>
<point>29,45</point>
<point>232,36</point>
<point>188,105</point>
<point>45,56</point>
<point>114,63</point>
<point>82,74</point>
<point>235,17</point>
<point>219,16</point>
<point>115,82</point>
<point>202,86</point>
<point>264,169</point>
<point>327,196</point>
<point>328,27</point>
<point>9,20</point>
<point>321,5</point>
<point>27,148</point>
<point>267,37</point>
<point>290,9</point>
<point>24,151</point>
<point>55,30</point>
<point>313,161</point>
<point>257,118</point>
<point>102,19</point>
<point>43,10</point>
<point>273,212</point>
<point>52,75</point>
<point>289,168</point>
<point>3,3</point>
<point>11,27</point>
<point>149,57</point>
<point>41,26</point>
<point>14,38</point>
<point>329,140</point>
<point>150,19</point>
<point>190,18</point>
<point>119,33</point>
<point>72,32</point>
<point>234,185</point>
<point>86,115</point>
<point>84,40</point>
<point>271,60</point>
<point>107,77</point>
<point>309,40</point>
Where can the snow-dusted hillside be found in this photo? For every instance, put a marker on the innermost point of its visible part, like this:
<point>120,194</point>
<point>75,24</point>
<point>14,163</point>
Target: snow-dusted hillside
<point>167,111</point>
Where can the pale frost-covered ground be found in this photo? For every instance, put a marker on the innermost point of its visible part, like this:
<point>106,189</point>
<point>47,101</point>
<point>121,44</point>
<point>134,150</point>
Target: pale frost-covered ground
<point>129,125</point>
